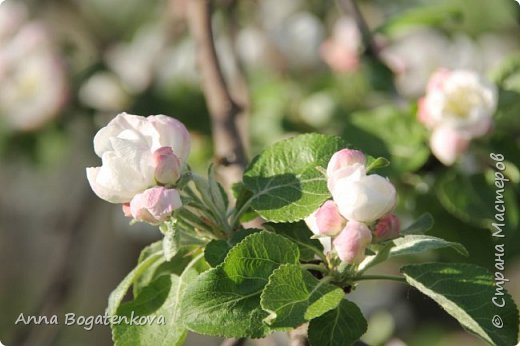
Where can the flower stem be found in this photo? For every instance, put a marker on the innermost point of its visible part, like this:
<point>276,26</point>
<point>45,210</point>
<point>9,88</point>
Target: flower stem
<point>311,266</point>
<point>379,277</point>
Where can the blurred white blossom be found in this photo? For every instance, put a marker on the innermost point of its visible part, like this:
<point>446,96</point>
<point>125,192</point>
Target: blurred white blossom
<point>33,85</point>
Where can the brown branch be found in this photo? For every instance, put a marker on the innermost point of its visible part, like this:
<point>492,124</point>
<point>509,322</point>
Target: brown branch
<point>371,48</point>
<point>224,111</point>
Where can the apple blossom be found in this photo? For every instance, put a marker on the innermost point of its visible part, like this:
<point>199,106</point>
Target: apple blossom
<point>341,51</point>
<point>34,87</point>
<point>167,166</point>
<point>458,106</point>
<point>351,243</point>
<point>459,99</point>
<point>326,220</point>
<point>387,228</point>
<point>364,199</point>
<point>345,163</point>
<point>126,146</point>
<point>447,144</point>
<point>155,205</point>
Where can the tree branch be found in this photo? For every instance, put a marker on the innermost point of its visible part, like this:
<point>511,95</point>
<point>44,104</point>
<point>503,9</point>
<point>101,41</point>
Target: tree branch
<point>370,45</point>
<point>224,111</point>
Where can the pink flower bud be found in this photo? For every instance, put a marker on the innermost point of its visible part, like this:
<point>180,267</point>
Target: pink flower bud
<point>155,205</point>
<point>326,220</point>
<point>351,243</point>
<point>126,209</point>
<point>387,228</point>
<point>447,144</point>
<point>345,163</point>
<point>167,166</point>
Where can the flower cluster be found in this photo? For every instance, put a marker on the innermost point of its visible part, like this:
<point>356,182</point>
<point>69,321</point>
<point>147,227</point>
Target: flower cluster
<point>142,160</point>
<point>458,107</point>
<point>359,202</point>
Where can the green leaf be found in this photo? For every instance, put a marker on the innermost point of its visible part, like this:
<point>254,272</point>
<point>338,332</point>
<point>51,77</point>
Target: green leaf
<point>300,234</point>
<point>466,292</point>
<point>424,15</point>
<point>294,296</point>
<point>159,300</point>
<point>339,327</point>
<point>419,226</point>
<point>225,301</point>
<point>284,179</point>
<point>374,164</point>
<point>390,132</point>
<point>472,198</point>
<point>117,295</point>
<point>414,244</point>
<point>216,250</point>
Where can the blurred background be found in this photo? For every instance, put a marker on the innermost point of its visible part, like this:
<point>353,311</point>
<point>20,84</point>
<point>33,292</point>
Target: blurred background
<point>69,66</point>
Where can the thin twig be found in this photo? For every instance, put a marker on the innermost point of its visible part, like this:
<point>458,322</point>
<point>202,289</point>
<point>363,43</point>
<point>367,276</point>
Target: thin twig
<point>371,48</point>
<point>224,111</point>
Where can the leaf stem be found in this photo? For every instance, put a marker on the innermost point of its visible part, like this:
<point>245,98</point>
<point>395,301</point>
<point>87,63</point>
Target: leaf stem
<point>311,266</point>
<point>379,277</point>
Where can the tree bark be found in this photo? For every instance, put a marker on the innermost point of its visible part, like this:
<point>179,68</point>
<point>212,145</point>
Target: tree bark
<point>229,149</point>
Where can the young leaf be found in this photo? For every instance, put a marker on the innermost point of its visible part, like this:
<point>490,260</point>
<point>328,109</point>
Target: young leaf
<point>299,233</point>
<point>294,295</point>
<point>284,179</point>
<point>117,295</point>
<point>225,301</point>
<point>414,244</point>
<point>467,292</point>
<point>161,298</point>
<point>374,164</point>
<point>420,226</point>
<point>217,249</point>
<point>339,327</point>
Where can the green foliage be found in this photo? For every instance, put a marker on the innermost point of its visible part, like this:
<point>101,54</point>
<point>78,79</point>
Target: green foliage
<point>414,244</point>
<point>119,293</point>
<point>225,301</point>
<point>466,291</point>
<point>284,178</point>
<point>392,133</point>
<point>293,296</point>
<point>160,298</point>
<point>300,234</point>
<point>472,198</point>
<point>422,224</point>
<point>339,327</point>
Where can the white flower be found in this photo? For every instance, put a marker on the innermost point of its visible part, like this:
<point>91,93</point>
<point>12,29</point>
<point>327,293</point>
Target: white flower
<point>126,146</point>
<point>33,86</point>
<point>364,199</point>
<point>459,99</point>
<point>458,107</point>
